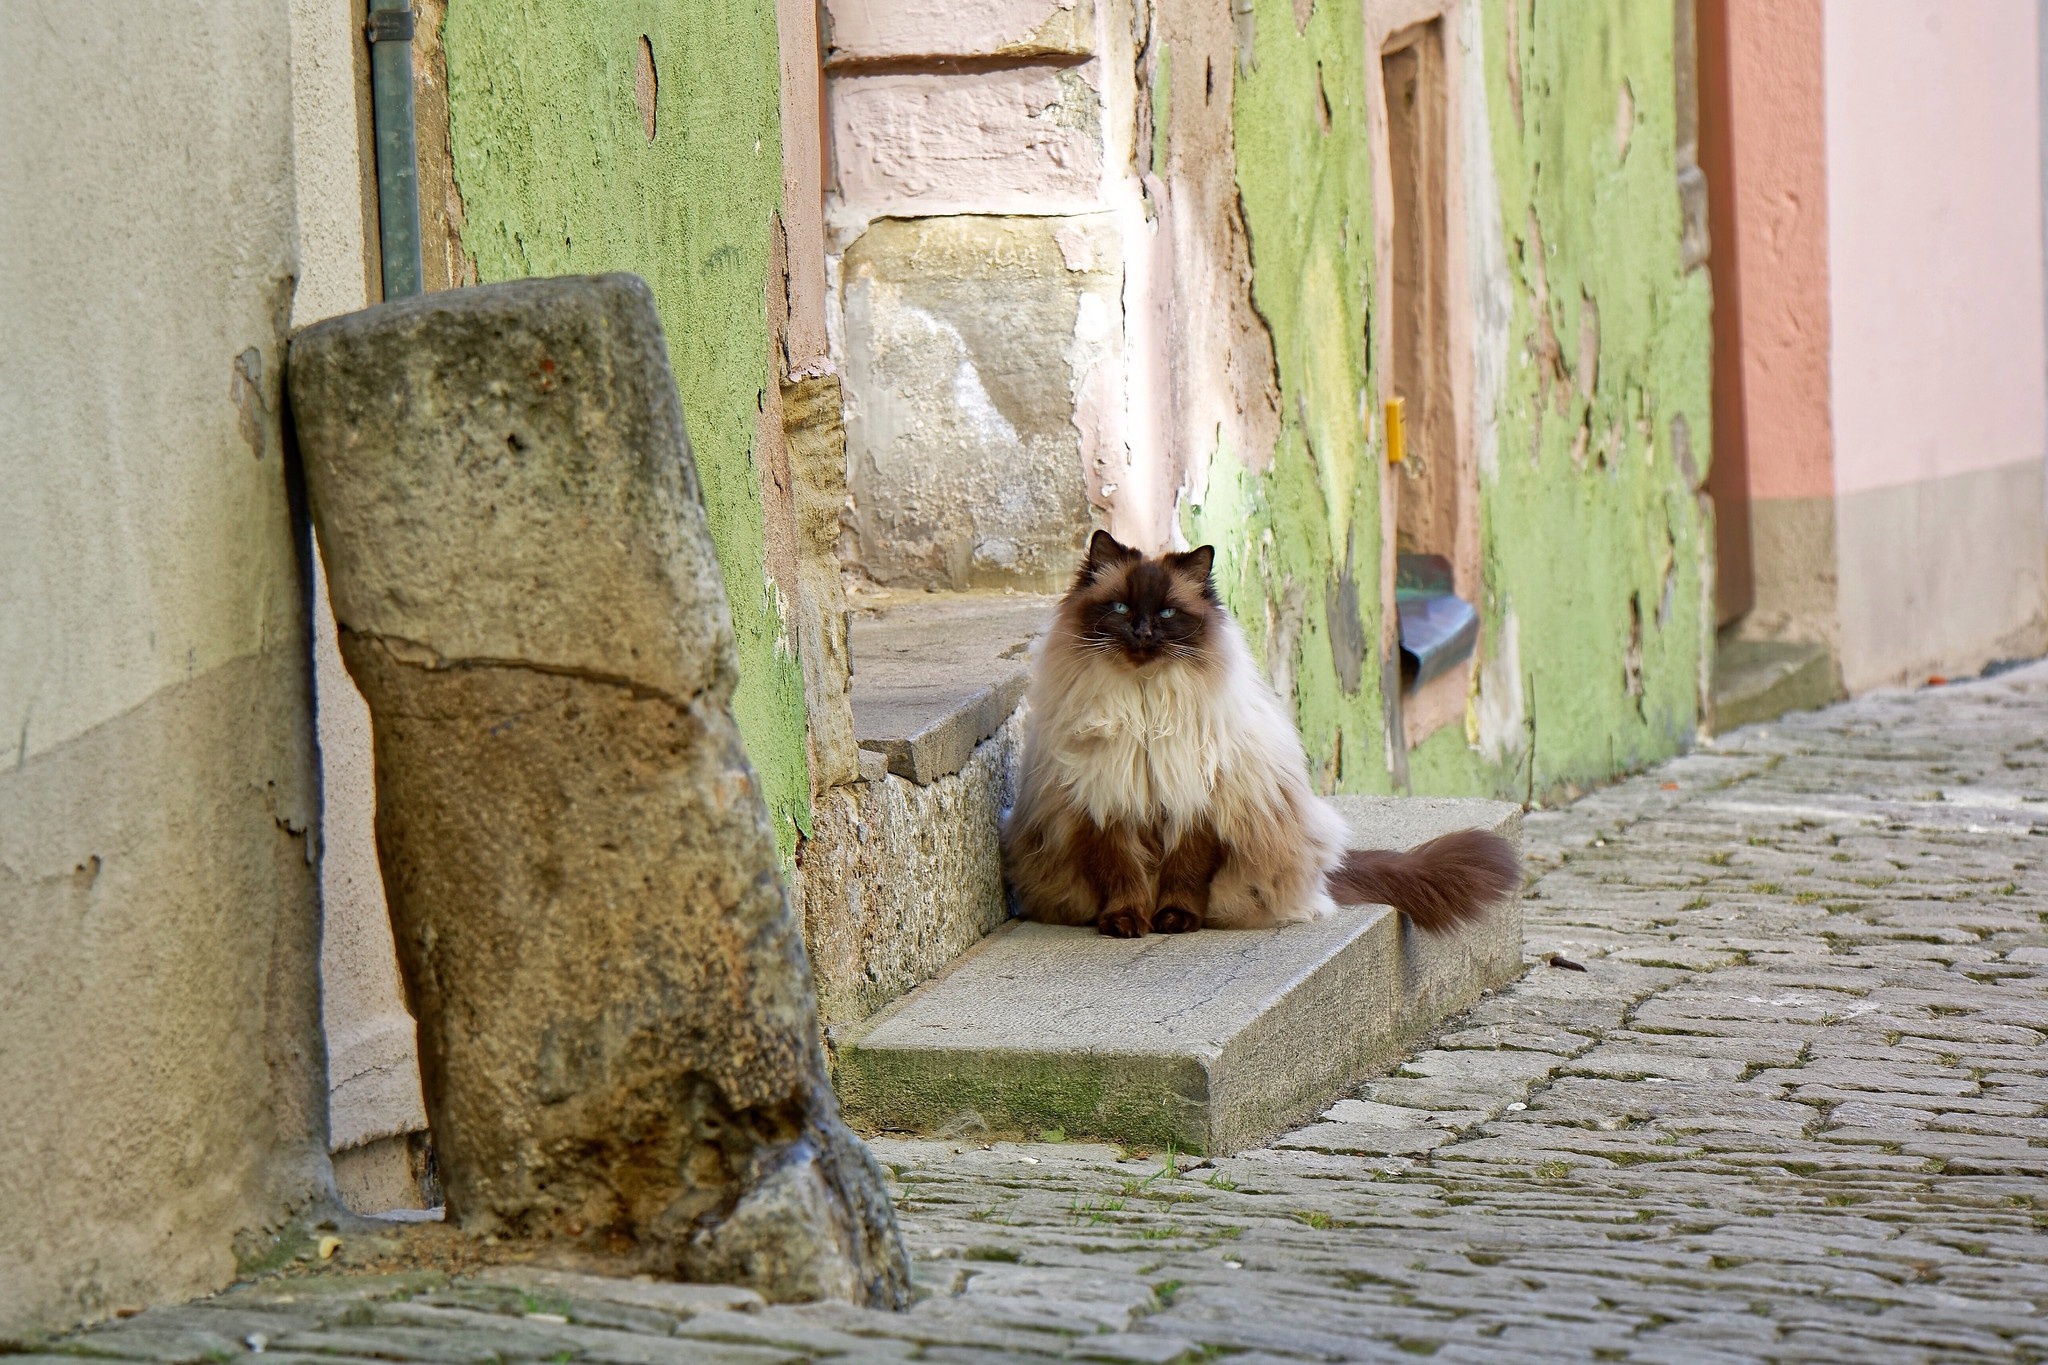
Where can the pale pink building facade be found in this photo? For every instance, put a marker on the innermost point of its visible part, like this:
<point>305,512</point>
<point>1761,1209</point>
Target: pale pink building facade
<point>1882,389</point>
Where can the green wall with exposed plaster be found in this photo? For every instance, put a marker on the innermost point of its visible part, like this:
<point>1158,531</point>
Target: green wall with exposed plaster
<point>1589,518</point>
<point>557,176</point>
<point>1590,522</point>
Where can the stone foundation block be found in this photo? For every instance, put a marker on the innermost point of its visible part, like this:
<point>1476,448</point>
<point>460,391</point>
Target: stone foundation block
<point>1212,1041</point>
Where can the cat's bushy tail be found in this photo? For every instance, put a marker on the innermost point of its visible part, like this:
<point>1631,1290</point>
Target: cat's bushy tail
<point>1439,885</point>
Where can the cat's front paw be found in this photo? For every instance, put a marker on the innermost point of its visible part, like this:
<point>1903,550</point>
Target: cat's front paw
<point>1124,921</point>
<point>1173,919</point>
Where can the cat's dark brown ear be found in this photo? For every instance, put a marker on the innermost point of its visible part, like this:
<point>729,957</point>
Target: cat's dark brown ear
<point>1198,564</point>
<point>1105,551</point>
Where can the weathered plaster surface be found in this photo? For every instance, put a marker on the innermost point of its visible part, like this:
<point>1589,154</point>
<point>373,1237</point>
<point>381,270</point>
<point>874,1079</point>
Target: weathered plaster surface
<point>1590,530</point>
<point>557,175</point>
<point>161,1074</point>
<point>1282,480</point>
<point>1596,543</point>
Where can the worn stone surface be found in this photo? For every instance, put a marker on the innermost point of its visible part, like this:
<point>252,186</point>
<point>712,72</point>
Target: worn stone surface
<point>938,674</point>
<point>1211,1040</point>
<point>1011,137</point>
<point>899,878</point>
<point>389,1173</point>
<point>902,871</point>
<point>617,1027</point>
<point>815,434</point>
<point>975,348</point>
<point>1792,1111</point>
<point>1758,680</point>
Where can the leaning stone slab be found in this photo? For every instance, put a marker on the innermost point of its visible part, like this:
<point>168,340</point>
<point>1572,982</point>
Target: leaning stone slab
<point>618,1034</point>
<point>1213,1041</point>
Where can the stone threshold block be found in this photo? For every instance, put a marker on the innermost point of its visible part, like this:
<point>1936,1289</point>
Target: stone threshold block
<point>902,870</point>
<point>1213,1041</point>
<point>935,674</point>
<point>1757,680</point>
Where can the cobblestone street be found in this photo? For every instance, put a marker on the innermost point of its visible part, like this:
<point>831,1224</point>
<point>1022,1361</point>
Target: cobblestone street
<point>1773,1087</point>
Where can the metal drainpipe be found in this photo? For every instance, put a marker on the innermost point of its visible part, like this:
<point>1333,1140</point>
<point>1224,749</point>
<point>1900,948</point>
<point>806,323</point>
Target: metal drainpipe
<point>389,30</point>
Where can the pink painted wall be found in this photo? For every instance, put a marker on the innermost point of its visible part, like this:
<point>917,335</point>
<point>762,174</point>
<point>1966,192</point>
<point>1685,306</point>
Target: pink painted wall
<point>1778,134</point>
<point>1934,231</point>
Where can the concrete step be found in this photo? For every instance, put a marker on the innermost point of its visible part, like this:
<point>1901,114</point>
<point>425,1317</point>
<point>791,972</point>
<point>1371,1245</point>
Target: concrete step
<point>1212,1041</point>
<point>1757,680</point>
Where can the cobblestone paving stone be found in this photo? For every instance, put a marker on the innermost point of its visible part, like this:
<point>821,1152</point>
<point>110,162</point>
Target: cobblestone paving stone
<point>1792,1109</point>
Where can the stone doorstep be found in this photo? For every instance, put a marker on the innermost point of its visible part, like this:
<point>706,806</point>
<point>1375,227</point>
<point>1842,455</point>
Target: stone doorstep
<point>1757,680</point>
<point>1211,1041</point>
<point>935,674</point>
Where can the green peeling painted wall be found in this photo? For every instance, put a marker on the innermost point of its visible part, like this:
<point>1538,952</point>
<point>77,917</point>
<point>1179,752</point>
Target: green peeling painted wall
<point>1306,193</point>
<point>1592,533</point>
<point>557,176</point>
<point>1594,541</point>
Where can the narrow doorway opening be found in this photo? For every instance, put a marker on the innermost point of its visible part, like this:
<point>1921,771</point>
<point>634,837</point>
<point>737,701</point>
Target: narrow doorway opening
<point>1419,367</point>
<point>1728,473</point>
<point>1438,627</point>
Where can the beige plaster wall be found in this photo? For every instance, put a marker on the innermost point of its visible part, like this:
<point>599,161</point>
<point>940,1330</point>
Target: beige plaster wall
<point>1941,576</point>
<point>373,1060</point>
<point>333,157</point>
<point>161,1098</point>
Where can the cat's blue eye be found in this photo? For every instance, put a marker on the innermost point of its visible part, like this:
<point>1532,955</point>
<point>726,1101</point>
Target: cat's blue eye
<point>1165,612</point>
<point>1120,608</point>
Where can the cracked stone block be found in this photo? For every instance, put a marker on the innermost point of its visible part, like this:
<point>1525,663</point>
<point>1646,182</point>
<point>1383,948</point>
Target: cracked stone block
<point>1017,139</point>
<point>983,380</point>
<point>618,1033</point>
<point>1212,1041</point>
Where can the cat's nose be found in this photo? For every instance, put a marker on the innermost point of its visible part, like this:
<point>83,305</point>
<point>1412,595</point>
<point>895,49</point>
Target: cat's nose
<point>1144,630</point>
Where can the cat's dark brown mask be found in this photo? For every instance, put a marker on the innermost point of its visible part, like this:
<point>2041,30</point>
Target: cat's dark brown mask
<point>1141,608</point>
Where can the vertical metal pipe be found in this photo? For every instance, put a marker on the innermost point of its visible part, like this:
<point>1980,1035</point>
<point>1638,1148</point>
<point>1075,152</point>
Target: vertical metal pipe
<point>389,31</point>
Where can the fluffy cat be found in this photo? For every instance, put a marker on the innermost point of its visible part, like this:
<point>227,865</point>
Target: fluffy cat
<point>1164,787</point>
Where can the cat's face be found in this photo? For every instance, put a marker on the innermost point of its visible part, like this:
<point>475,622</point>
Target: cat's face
<point>1141,609</point>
